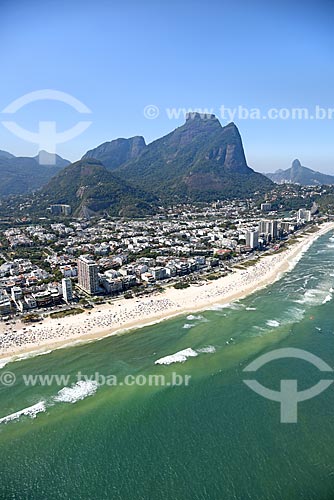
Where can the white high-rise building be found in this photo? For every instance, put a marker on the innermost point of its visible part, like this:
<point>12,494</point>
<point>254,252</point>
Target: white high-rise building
<point>252,239</point>
<point>88,278</point>
<point>66,285</point>
<point>269,227</point>
<point>265,207</point>
<point>304,215</point>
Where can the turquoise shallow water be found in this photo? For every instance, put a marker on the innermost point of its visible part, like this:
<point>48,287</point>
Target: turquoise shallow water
<point>212,439</point>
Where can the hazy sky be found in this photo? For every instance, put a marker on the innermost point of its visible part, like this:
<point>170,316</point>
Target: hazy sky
<point>119,57</point>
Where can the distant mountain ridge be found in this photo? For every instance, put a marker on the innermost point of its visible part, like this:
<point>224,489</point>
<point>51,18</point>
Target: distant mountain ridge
<point>45,158</point>
<point>21,175</point>
<point>198,161</point>
<point>5,154</point>
<point>297,174</point>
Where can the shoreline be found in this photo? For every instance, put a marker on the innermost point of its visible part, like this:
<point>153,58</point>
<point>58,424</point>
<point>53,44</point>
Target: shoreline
<point>130,314</point>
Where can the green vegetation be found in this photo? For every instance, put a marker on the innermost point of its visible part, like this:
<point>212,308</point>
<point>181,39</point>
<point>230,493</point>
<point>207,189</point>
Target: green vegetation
<point>247,263</point>
<point>313,229</point>
<point>147,253</point>
<point>67,312</point>
<point>31,318</point>
<point>190,164</point>
<point>213,277</point>
<point>23,175</point>
<point>292,241</point>
<point>89,187</point>
<point>181,285</point>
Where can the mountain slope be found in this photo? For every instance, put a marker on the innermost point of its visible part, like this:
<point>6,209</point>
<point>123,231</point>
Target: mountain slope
<point>115,153</point>
<point>201,160</point>
<point>45,158</point>
<point>21,175</point>
<point>5,154</point>
<point>89,187</point>
<point>297,174</point>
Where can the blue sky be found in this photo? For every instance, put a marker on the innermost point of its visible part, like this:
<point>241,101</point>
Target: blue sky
<point>118,57</point>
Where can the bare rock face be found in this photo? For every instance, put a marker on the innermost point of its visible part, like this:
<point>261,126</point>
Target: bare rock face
<point>201,160</point>
<point>115,153</point>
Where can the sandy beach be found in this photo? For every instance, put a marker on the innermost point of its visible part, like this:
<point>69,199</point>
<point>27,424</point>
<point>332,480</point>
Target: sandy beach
<point>126,314</point>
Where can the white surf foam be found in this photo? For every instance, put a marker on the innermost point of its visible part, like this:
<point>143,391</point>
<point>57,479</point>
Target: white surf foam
<point>328,298</point>
<point>178,357</point>
<point>273,323</point>
<point>188,325</point>
<point>32,354</point>
<point>191,317</point>
<point>312,297</point>
<point>31,412</point>
<point>219,307</point>
<point>4,362</point>
<point>210,349</point>
<point>77,392</point>
<point>295,314</point>
<point>250,308</point>
<point>235,306</point>
<point>22,357</point>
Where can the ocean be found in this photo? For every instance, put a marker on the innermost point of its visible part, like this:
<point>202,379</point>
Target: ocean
<point>105,429</point>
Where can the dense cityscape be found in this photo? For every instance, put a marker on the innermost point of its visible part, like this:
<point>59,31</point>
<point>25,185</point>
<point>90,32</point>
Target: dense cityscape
<point>61,265</point>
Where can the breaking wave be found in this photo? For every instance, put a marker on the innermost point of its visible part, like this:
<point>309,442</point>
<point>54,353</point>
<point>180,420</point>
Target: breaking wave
<point>210,349</point>
<point>182,356</point>
<point>77,392</point>
<point>328,298</point>
<point>3,362</point>
<point>178,357</point>
<point>31,412</point>
<point>273,323</point>
<point>311,297</point>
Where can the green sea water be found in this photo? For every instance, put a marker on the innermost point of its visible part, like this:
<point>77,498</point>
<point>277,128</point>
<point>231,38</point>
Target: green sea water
<point>211,439</point>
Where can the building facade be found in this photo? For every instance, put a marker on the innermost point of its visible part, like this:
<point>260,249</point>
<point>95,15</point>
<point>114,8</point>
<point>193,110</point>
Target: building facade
<point>66,285</point>
<point>88,278</point>
<point>304,215</point>
<point>252,239</point>
<point>269,227</point>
